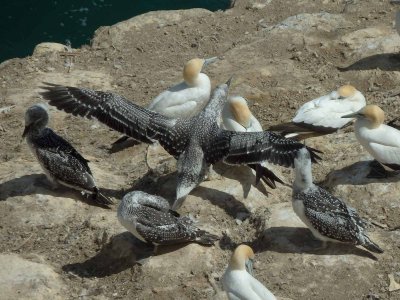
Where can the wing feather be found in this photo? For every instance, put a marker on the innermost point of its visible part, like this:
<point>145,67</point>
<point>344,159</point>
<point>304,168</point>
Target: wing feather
<point>117,113</point>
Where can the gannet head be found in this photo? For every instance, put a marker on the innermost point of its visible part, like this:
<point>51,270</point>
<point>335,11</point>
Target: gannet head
<point>240,110</point>
<point>193,67</point>
<point>302,165</point>
<point>242,259</point>
<point>348,92</point>
<point>36,118</point>
<point>373,113</point>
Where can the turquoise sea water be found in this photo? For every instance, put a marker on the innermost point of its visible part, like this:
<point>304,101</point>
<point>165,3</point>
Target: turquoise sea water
<point>25,23</point>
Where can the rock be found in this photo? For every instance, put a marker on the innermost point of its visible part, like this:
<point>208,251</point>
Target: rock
<point>372,40</point>
<point>45,49</point>
<point>23,279</point>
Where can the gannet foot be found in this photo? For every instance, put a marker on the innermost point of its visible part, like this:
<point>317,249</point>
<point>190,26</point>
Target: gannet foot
<point>46,183</point>
<point>377,170</point>
<point>212,175</point>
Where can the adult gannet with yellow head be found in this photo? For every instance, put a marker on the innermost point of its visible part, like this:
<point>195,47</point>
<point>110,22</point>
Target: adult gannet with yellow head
<point>238,280</point>
<point>187,98</point>
<point>380,140</point>
<point>236,116</point>
<point>322,115</point>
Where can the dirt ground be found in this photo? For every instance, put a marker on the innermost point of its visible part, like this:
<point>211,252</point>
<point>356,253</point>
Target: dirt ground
<point>282,53</point>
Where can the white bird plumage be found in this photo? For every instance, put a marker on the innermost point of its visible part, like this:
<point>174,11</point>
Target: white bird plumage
<point>236,116</point>
<point>381,141</point>
<point>187,98</point>
<point>323,115</point>
<point>238,282</point>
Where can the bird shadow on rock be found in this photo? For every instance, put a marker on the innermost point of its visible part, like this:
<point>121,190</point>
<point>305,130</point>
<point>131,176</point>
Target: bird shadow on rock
<point>300,240</point>
<point>384,62</point>
<point>355,174</point>
<point>243,174</point>
<point>38,184</point>
<point>122,252</point>
<point>226,201</point>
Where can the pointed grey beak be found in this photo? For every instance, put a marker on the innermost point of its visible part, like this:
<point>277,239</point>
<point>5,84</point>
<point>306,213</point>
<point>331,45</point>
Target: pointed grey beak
<point>249,266</point>
<point>26,130</point>
<point>353,115</point>
<point>228,83</point>
<point>209,61</point>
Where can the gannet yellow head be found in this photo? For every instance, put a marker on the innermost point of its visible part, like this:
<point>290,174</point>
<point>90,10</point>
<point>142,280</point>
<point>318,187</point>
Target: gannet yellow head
<point>346,91</point>
<point>240,110</point>
<point>193,68</point>
<point>373,113</point>
<point>242,259</point>
<point>36,118</point>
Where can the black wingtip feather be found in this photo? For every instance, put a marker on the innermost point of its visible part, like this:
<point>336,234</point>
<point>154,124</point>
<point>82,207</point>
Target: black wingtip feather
<point>314,156</point>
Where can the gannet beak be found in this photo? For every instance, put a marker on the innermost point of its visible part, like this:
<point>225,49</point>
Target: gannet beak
<point>228,83</point>
<point>353,115</point>
<point>249,266</point>
<point>209,61</point>
<point>26,130</point>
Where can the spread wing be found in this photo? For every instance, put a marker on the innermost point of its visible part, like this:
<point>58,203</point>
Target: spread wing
<point>254,147</point>
<point>331,216</point>
<point>117,113</point>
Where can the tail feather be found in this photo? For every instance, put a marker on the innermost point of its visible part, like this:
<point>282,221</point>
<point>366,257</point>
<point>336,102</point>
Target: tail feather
<point>266,175</point>
<point>100,198</point>
<point>301,131</point>
<point>205,238</point>
<point>371,246</point>
<point>314,156</point>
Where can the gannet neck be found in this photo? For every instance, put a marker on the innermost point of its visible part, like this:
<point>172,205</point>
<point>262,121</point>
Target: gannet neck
<point>239,257</point>
<point>240,111</point>
<point>373,115</point>
<point>191,71</point>
<point>303,176</point>
<point>36,119</point>
<point>202,81</point>
<point>217,101</point>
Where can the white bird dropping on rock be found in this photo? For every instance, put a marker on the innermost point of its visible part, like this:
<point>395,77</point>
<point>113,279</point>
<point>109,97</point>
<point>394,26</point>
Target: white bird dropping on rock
<point>238,281</point>
<point>328,217</point>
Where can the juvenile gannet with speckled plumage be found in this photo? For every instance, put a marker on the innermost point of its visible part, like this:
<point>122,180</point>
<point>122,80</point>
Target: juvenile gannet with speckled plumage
<point>236,116</point>
<point>61,163</point>
<point>150,219</point>
<point>397,17</point>
<point>238,281</point>
<point>380,140</point>
<point>323,115</point>
<point>196,143</point>
<point>328,217</point>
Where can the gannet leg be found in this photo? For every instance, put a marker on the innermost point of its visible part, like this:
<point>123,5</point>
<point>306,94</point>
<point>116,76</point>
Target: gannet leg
<point>211,174</point>
<point>377,170</point>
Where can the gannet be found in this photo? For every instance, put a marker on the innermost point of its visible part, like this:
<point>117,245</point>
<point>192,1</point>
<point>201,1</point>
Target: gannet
<point>196,143</point>
<point>61,163</point>
<point>150,219</point>
<point>187,98</point>
<point>328,217</point>
<point>238,281</point>
<point>397,18</point>
<point>323,115</point>
<point>236,116</point>
<point>379,140</point>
